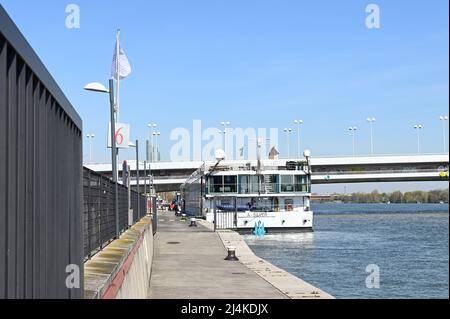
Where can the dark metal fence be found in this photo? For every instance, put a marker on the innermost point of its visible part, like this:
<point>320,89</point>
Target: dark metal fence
<point>134,205</point>
<point>99,221</point>
<point>154,211</point>
<point>40,176</point>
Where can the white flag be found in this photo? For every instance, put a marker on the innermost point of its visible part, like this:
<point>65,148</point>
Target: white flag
<point>124,65</point>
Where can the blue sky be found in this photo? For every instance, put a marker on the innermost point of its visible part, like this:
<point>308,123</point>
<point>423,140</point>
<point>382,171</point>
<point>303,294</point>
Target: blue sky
<point>256,64</point>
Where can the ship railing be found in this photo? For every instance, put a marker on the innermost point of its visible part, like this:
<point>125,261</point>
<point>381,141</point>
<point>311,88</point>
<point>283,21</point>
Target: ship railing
<point>249,206</point>
<point>256,188</point>
<point>248,167</point>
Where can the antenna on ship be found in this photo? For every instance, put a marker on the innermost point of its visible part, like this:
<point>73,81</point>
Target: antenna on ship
<point>259,142</point>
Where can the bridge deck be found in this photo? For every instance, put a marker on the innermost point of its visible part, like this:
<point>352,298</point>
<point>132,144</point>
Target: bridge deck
<point>195,268</point>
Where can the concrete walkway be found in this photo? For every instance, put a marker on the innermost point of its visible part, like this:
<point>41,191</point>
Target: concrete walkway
<point>189,264</point>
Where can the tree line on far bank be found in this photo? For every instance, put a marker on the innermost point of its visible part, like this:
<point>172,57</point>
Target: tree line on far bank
<point>396,197</point>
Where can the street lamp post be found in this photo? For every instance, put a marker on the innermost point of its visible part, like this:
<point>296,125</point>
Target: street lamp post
<point>298,122</point>
<point>145,179</point>
<point>90,137</point>
<point>223,138</point>
<point>418,128</point>
<point>138,173</point>
<point>444,120</point>
<point>353,129</point>
<point>151,126</point>
<point>97,87</point>
<point>156,134</point>
<point>371,121</point>
<point>224,132</point>
<point>131,220</point>
<point>288,131</point>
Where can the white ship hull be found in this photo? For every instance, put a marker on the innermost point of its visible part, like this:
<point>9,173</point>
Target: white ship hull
<point>271,221</point>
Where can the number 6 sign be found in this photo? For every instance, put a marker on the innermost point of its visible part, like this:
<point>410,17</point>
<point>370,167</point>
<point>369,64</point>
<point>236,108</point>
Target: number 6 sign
<point>121,135</point>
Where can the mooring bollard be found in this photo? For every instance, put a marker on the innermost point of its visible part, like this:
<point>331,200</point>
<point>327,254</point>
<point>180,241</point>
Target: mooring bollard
<point>193,222</point>
<point>183,216</point>
<point>231,254</point>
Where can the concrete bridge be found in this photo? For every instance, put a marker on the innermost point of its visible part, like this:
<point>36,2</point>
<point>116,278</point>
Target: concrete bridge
<point>168,176</point>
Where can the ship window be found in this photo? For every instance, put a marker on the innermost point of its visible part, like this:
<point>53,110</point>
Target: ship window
<point>244,184</point>
<point>261,204</point>
<point>215,184</point>
<point>223,184</point>
<point>230,184</point>
<point>300,183</point>
<point>270,184</point>
<point>288,205</point>
<point>254,184</point>
<point>287,183</point>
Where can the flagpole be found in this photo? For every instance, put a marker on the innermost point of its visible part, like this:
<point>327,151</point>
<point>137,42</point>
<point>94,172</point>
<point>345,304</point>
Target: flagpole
<point>117,85</point>
<point>118,75</point>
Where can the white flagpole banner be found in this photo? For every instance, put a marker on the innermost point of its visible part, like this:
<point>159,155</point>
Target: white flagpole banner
<point>122,64</point>
<point>120,69</point>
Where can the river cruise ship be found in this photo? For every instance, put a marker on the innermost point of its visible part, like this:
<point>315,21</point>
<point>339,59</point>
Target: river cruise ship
<point>254,196</point>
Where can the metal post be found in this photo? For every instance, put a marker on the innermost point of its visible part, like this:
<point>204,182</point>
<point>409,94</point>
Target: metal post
<point>150,179</point>
<point>443,135</point>
<point>137,174</point>
<point>215,215</point>
<point>129,210</point>
<point>418,128</point>
<point>444,120</point>
<point>90,137</point>
<point>114,156</point>
<point>235,214</point>
<point>288,141</point>
<point>145,178</point>
<point>152,151</point>
<point>353,138</point>
<point>354,144</point>
<point>418,141</point>
<point>225,139</point>
<point>156,147</point>
<point>118,73</point>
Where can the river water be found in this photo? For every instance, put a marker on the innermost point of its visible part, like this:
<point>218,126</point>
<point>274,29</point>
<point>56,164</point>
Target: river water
<point>406,246</point>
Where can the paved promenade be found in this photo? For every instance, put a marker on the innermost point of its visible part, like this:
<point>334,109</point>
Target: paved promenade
<point>189,264</point>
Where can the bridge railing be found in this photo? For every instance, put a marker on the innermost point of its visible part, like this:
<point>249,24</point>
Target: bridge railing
<point>350,156</point>
<point>386,171</point>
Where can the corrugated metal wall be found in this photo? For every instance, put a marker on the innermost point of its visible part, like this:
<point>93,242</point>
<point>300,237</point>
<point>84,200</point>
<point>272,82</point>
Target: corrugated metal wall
<point>40,176</point>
